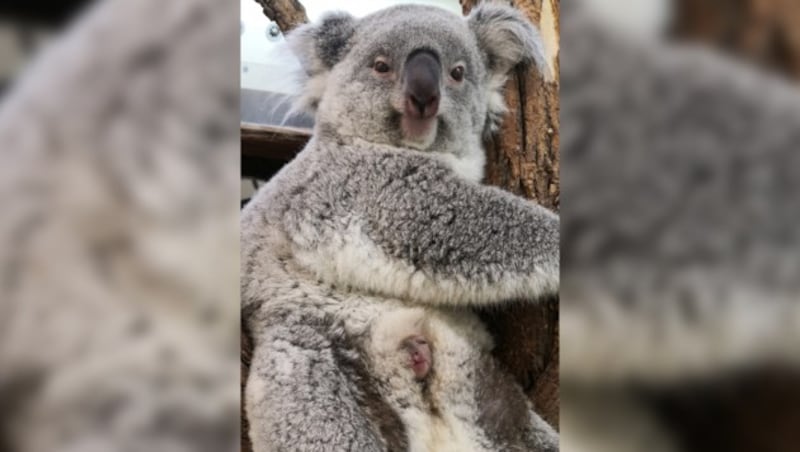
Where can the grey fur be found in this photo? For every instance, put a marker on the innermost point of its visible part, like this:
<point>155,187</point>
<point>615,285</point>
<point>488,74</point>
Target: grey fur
<point>679,213</point>
<point>119,322</point>
<point>506,38</point>
<point>360,226</point>
<point>681,246</point>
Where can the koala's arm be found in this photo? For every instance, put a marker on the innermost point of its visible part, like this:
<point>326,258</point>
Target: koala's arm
<point>408,227</point>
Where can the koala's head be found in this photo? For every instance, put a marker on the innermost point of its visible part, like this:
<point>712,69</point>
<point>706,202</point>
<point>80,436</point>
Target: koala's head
<point>414,76</point>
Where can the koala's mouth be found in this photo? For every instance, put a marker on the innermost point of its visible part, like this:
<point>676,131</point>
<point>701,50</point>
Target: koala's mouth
<point>418,133</point>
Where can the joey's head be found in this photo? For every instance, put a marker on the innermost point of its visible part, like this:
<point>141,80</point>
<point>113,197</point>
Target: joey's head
<point>403,342</point>
<point>414,76</point>
<point>420,357</point>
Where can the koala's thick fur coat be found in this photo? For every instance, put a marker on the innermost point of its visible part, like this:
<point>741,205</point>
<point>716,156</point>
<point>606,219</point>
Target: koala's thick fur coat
<point>375,218</point>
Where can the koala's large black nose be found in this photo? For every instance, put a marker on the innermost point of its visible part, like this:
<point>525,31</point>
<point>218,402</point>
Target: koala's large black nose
<point>422,75</point>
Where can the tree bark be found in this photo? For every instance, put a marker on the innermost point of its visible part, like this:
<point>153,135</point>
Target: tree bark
<point>286,13</point>
<point>246,357</point>
<point>764,32</point>
<point>524,159</point>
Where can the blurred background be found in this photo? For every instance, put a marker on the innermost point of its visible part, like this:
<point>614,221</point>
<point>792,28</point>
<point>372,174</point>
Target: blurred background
<point>119,171</point>
<point>680,322</point>
<point>119,160</point>
<point>24,27</point>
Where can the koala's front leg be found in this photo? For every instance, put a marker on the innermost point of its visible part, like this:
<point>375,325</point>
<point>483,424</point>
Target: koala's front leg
<point>412,229</point>
<point>298,398</point>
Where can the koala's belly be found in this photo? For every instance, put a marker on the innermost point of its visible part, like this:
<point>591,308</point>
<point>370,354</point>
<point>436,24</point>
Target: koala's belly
<point>440,413</point>
<point>460,342</point>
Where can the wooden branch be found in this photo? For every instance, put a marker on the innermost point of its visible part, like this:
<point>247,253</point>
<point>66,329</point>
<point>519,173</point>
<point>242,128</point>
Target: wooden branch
<point>286,13</point>
<point>272,142</point>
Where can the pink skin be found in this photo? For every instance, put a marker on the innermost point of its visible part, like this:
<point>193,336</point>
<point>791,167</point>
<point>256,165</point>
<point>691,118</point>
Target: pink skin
<point>419,354</point>
<point>418,129</point>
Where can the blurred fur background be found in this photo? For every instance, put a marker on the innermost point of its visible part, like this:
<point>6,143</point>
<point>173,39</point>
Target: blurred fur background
<point>680,321</point>
<point>119,229</point>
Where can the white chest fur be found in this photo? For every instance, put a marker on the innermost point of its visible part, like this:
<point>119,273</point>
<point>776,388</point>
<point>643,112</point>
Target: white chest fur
<point>439,433</point>
<point>440,413</point>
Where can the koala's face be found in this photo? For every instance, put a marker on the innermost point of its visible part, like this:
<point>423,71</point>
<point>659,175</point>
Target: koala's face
<point>413,76</point>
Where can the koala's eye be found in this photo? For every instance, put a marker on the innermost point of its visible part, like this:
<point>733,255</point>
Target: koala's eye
<point>457,73</point>
<point>381,67</point>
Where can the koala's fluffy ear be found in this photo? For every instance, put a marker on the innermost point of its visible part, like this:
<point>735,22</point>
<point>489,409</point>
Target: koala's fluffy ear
<point>506,39</point>
<point>319,47</point>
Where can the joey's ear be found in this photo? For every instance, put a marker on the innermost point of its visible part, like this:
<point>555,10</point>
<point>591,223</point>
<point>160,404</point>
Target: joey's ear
<point>506,38</point>
<point>319,47</point>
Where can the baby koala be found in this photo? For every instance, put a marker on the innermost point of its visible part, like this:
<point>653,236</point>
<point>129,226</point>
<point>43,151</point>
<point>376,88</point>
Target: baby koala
<point>420,358</point>
<point>401,347</point>
<point>447,403</point>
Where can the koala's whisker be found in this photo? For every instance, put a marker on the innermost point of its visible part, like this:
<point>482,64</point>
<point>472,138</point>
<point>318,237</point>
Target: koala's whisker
<point>282,103</point>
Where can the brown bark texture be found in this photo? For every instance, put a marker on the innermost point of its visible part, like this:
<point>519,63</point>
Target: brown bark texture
<point>523,158</point>
<point>765,32</point>
<point>756,410</point>
<point>286,13</point>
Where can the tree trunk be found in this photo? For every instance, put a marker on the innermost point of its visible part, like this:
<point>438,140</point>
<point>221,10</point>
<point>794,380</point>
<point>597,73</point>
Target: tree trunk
<point>523,158</point>
<point>762,31</point>
<point>286,13</point>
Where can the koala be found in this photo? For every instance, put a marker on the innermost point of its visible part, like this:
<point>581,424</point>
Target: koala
<point>382,216</point>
